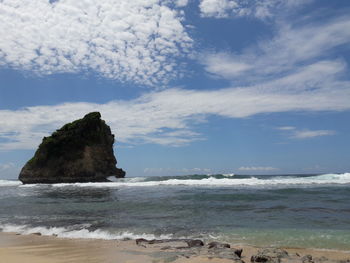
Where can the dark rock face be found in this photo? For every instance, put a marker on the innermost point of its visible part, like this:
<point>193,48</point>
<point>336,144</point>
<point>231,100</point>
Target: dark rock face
<point>271,255</point>
<point>307,259</point>
<point>218,245</point>
<point>195,243</point>
<point>194,248</point>
<point>276,255</point>
<point>81,151</point>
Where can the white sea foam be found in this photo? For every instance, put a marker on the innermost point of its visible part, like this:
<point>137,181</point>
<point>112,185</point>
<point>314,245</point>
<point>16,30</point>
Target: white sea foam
<point>127,179</point>
<point>325,179</point>
<point>63,232</point>
<point>9,183</point>
<point>282,181</point>
<point>228,175</point>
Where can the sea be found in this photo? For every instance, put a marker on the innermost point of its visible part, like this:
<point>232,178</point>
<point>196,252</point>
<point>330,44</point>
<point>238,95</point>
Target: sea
<point>311,211</point>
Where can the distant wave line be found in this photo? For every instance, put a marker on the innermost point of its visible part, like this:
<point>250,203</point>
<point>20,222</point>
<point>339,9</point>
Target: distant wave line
<point>209,180</point>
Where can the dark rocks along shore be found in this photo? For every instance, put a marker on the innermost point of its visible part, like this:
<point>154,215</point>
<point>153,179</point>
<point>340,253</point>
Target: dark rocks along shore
<point>194,247</point>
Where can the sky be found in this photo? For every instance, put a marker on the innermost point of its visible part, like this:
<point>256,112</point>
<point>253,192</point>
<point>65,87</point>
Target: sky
<point>187,86</point>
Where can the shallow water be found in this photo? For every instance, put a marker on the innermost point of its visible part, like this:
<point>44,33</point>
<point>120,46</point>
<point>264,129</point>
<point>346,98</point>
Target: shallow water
<point>297,211</point>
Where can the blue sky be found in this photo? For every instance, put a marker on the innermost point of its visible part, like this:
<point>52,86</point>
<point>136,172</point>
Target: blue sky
<point>187,86</point>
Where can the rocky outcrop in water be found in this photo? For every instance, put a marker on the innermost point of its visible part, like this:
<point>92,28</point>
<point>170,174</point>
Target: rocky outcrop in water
<point>81,151</point>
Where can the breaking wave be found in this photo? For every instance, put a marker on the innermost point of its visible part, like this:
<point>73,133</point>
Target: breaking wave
<point>9,183</point>
<point>220,180</point>
<point>83,232</point>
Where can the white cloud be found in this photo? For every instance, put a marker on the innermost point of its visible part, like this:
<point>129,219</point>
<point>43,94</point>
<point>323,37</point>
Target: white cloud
<point>216,8</point>
<point>182,3</point>
<point>137,41</point>
<point>290,50</point>
<point>286,128</point>
<point>257,168</point>
<point>260,9</point>
<point>305,134</point>
<point>282,75</point>
<point>297,63</point>
<point>169,117</point>
<point>295,133</point>
<point>224,65</point>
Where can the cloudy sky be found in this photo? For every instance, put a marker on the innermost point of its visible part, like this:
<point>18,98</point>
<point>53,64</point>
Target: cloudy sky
<point>187,86</point>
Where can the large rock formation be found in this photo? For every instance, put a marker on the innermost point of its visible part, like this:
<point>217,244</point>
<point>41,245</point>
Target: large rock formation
<point>81,151</point>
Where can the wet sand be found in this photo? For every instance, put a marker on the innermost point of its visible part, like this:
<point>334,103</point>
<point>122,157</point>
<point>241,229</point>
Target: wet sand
<point>46,249</point>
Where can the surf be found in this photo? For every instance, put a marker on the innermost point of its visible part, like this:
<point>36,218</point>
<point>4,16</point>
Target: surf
<point>218,180</point>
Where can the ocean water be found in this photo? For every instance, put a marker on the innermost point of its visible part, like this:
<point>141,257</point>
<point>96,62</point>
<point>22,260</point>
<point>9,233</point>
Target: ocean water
<point>286,210</point>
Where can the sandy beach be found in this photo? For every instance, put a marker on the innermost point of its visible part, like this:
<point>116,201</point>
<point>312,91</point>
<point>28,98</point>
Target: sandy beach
<point>46,249</point>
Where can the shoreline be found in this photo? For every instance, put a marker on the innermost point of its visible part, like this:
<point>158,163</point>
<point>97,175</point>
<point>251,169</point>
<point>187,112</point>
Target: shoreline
<point>50,249</point>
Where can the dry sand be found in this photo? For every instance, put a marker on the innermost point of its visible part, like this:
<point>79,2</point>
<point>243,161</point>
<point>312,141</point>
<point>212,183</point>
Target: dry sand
<point>42,249</point>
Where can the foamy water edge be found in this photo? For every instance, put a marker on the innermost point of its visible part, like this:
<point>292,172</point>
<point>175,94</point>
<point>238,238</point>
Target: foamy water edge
<point>82,233</point>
